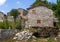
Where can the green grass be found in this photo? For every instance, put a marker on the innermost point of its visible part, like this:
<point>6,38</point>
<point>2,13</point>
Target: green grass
<point>10,39</point>
<point>11,24</point>
<point>42,40</point>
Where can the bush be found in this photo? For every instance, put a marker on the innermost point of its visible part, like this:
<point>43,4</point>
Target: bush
<point>11,24</point>
<point>6,25</point>
<point>18,25</point>
<point>3,25</point>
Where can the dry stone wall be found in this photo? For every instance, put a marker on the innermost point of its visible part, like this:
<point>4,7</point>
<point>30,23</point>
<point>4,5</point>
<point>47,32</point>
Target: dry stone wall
<point>42,13</point>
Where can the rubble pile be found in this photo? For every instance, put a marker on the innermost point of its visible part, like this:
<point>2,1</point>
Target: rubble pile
<point>24,35</point>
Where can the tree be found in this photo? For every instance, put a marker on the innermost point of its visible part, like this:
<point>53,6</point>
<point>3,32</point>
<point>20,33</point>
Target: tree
<point>19,25</point>
<point>58,1</point>
<point>14,13</point>
<point>4,24</point>
<point>40,2</point>
<point>56,9</point>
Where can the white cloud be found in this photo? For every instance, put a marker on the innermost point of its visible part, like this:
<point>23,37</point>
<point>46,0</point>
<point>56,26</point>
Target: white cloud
<point>2,2</point>
<point>2,10</point>
<point>17,2</point>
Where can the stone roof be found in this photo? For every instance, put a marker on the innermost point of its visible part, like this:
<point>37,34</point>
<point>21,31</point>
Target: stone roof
<point>21,9</point>
<point>2,13</point>
<point>31,7</point>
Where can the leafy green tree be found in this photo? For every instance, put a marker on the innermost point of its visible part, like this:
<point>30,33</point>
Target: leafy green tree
<point>14,13</point>
<point>40,2</point>
<point>19,25</point>
<point>58,1</point>
<point>56,8</point>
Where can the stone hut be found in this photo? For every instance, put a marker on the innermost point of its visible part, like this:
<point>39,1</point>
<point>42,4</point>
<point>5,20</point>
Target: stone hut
<point>1,16</point>
<point>10,18</point>
<point>40,16</point>
<point>23,13</point>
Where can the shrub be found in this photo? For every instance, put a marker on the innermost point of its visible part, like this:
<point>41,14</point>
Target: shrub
<point>11,25</point>
<point>3,25</point>
<point>19,25</point>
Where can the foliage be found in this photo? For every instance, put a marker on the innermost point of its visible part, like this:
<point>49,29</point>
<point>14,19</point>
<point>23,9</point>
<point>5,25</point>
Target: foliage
<point>56,9</point>
<point>14,13</point>
<point>51,40</point>
<point>11,24</point>
<point>40,2</point>
<point>6,25</point>
<point>18,25</point>
<point>3,25</point>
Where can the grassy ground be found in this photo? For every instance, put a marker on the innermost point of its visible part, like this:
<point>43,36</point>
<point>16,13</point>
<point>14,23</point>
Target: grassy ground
<point>32,40</point>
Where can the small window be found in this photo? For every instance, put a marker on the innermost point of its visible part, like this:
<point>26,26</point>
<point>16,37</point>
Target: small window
<point>34,11</point>
<point>54,24</point>
<point>38,21</point>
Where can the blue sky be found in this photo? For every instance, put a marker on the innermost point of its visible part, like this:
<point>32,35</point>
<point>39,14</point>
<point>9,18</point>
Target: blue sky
<point>7,5</point>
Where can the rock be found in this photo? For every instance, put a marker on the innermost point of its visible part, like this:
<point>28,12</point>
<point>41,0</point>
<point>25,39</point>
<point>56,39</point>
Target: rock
<point>55,39</point>
<point>33,37</point>
<point>16,41</point>
<point>20,37</point>
<point>5,33</point>
<point>58,35</point>
<point>23,35</point>
<point>17,34</point>
<point>14,38</point>
<point>34,40</point>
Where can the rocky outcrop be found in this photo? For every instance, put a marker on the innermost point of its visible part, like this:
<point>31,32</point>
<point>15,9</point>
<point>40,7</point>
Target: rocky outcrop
<point>46,32</point>
<point>24,35</point>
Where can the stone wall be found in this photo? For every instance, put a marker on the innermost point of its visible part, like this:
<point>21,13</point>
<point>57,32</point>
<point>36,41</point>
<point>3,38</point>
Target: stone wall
<point>1,17</point>
<point>5,33</point>
<point>41,13</point>
<point>10,18</point>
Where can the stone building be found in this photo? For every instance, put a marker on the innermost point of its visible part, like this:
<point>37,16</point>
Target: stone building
<point>23,13</point>
<point>1,16</point>
<point>40,16</point>
<point>10,18</point>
